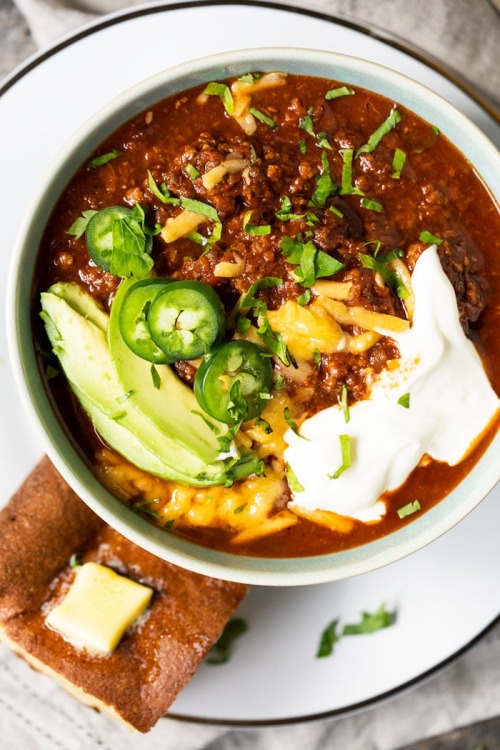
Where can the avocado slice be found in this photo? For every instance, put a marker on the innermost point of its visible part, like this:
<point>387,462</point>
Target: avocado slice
<point>172,407</point>
<point>83,352</point>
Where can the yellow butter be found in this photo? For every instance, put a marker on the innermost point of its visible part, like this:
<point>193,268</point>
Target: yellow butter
<point>99,608</point>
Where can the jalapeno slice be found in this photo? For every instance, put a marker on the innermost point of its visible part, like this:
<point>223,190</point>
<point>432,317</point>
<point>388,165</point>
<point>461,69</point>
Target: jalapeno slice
<point>99,235</point>
<point>133,323</point>
<point>186,319</point>
<point>232,383</point>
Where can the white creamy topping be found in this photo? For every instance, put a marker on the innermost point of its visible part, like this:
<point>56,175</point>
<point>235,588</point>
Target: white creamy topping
<point>451,403</point>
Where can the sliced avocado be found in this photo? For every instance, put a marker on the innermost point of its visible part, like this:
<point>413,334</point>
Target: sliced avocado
<point>83,352</point>
<point>82,302</point>
<point>172,407</point>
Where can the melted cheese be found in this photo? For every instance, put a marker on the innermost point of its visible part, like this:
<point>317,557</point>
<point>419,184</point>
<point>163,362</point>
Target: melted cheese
<point>451,404</point>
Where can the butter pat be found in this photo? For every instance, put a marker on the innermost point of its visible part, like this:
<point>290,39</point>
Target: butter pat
<point>99,608</point>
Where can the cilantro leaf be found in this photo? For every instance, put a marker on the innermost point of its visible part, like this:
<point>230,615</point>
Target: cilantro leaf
<point>370,623</point>
<point>98,161</point>
<point>224,92</point>
<point>79,226</point>
<point>328,640</point>
<point>389,123</point>
<point>221,650</point>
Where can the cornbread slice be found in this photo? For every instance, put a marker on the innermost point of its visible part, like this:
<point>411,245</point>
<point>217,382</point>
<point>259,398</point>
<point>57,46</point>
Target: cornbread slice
<point>43,525</point>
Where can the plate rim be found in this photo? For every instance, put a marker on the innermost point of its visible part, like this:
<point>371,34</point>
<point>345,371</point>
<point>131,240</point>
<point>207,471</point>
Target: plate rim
<point>375,32</point>
<point>392,40</point>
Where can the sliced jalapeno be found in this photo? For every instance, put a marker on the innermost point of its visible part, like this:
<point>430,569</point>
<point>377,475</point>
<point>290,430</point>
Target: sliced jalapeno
<point>232,383</point>
<point>132,320</point>
<point>186,319</point>
<point>99,235</point>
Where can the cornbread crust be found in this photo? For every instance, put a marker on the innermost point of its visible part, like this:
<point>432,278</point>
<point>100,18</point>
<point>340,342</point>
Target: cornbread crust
<point>41,527</point>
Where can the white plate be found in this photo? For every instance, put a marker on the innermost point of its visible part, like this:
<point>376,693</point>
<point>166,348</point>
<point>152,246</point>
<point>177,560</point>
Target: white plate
<point>445,595</point>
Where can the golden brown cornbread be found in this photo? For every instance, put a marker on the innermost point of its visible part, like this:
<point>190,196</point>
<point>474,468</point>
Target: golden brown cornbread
<point>41,527</point>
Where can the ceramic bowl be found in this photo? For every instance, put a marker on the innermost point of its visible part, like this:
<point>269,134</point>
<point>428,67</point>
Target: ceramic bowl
<point>292,571</point>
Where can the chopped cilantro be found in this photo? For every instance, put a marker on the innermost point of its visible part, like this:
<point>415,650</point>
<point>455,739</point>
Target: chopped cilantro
<point>98,161</point>
<point>305,297</point>
<point>163,193</point>
<point>379,265</point>
<point>344,404</point>
<point>285,210</point>
<point>373,141</point>
<point>347,188</point>
<point>398,162</point>
<point>294,483</point>
<point>404,400</point>
<point>250,229</point>
<point>317,358</point>
<point>345,449</point>
<point>328,640</point>
<point>263,118</point>
<point>430,238</point>
<point>409,509</point>
<point>191,171</point>
<point>79,226</point>
<point>312,263</point>
<point>371,205</point>
<point>220,89</point>
<point>339,91</point>
<point>370,623</point>
<point>325,186</point>
<point>221,650</point>
<point>143,508</point>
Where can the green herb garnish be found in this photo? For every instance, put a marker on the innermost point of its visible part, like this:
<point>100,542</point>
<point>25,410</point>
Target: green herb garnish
<point>163,193</point>
<point>325,186</point>
<point>254,230</point>
<point>339,91</point>
<point>129,256</point>
<point>191,171</point>
<point>389,123</point>
<point>294,483</point>
<point>239,509</point>
<point>336,211</point>
<point>79,226</point>
<point>221,650</point>
<point>404,400</point>
<point>312,263</point>
<point>370,623</point>
<point>344,404</point>
<point>263,425</point>
<point>263,118</point>
<point>290,422</point>
<point>143,508</point>
<point>304,298</point>
<point>371,205</point>
<point>379,265</point>
<point>347,188</point>
<point>328,640</point>
<point>285,210</point>
<point>409,509</point>
<point>98,161</point>
<point>345,449</point>
<point>220,89</point>
<point>74,561</point>
<point>249,300</point>
<point>302,147</point>
<point>398,162</point>
<point>306,124</point>
<point>430,238</point>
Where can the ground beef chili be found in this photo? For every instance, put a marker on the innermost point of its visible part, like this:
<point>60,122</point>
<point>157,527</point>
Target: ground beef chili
<point>300,141</point>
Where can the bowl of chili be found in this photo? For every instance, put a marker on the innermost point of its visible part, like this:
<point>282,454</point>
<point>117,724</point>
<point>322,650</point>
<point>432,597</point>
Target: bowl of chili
<point>231,260</point>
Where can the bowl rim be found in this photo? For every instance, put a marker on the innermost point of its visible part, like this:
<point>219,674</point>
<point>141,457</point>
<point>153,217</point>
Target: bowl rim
<point>65,455</point>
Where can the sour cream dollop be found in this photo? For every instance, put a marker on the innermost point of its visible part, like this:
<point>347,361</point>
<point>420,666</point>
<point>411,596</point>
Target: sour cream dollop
<point>451,402</point>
